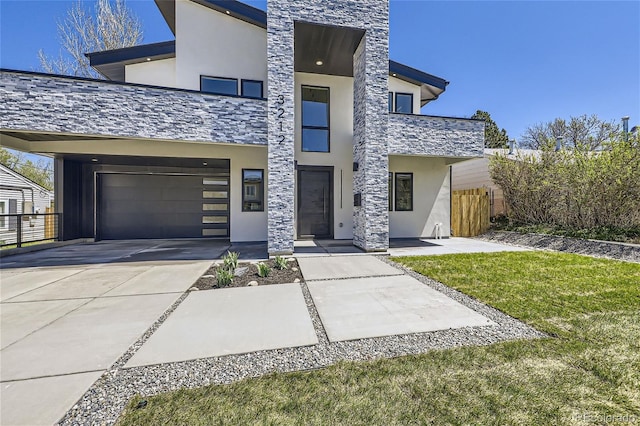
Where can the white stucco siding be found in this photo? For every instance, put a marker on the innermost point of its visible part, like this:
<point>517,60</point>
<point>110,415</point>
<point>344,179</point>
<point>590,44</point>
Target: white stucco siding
<point>341,145</point>
<point>431,198</point>
<point>155,73</point>
<point>400,86</point>
<point>213,44</point>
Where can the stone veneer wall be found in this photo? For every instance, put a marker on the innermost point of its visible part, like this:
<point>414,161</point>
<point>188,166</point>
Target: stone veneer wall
<point>47,103</point>
<point>435,136</point>
<point>371,219</point>
<point>370,106</point>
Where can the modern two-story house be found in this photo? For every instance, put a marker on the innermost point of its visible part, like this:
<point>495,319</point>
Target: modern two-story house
<point>250,126</point>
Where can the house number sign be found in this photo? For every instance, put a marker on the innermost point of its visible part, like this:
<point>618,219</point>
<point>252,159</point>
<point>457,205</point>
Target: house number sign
<point>280,118</point>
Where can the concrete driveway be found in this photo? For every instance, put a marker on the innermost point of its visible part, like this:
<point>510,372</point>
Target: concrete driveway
<point>67,314</point>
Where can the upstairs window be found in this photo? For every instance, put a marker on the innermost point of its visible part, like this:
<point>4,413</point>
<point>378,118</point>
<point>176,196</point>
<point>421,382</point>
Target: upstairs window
<point>315,119</point>
<point>219,85</point>
<point>390,101</point>
<point>404,103</point>
<point>252,89</point>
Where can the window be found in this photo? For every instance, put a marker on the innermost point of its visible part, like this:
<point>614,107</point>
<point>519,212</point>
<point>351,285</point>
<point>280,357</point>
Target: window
<point>252,190</point>
<point>404,192</point>
<point>315,119</point>
<point>219,86</point>
<point>3,210</point>
<point>404,103</point>
<point>390,191</point>
<point>390,101</point>
<point>252,89</point>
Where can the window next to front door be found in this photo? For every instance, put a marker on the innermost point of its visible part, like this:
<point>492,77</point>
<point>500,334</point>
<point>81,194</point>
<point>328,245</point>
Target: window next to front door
<point>404,192</point>
<point>315,119</point>
<point>252,190</point>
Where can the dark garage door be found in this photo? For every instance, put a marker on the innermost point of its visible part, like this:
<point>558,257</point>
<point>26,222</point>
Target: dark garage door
<point>162,206</point>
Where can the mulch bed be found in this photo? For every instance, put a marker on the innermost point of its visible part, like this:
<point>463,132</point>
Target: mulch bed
<point>208,280</point>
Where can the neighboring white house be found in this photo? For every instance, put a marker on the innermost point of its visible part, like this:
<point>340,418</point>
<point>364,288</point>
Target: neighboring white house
<point>248,126</point>
<point>475,173</point>
<point>19,195</point>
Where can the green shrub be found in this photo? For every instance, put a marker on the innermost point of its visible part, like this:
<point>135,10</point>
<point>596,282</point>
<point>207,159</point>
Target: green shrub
<point>224,277</point>
<point>280,263</point>
<point>263,270</point>
<point>575,190</point>
<point>230,261</point>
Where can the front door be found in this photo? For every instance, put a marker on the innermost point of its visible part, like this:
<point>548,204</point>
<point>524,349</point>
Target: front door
<point>315,202</point>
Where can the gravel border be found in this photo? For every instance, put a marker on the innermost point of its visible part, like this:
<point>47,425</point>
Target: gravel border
<point>606,249</point>
<point>104,401</point>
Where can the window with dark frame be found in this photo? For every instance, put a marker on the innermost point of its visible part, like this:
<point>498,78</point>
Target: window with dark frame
<point>252,190</point>
<point>3,209</point>
<point>404,103</point>
<point>219,85</point>
<point>252,89</point>
<point>315,119</point>
<point>390,191</point>
<point>404,192</point>
<point>390,101</point>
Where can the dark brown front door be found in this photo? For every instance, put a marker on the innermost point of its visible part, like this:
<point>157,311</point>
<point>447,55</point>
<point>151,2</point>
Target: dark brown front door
<point>315,202</point>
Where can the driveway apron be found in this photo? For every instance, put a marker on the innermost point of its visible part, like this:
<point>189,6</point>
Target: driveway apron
<point>68,318</point>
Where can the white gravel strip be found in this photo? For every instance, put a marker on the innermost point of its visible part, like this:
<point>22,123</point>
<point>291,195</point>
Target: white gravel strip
<point>606,249</point>
<point>105,400</point>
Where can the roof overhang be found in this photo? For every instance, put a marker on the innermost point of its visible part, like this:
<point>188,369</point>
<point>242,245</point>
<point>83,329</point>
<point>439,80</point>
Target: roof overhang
<point>430,86</point>
<point>111,63</point>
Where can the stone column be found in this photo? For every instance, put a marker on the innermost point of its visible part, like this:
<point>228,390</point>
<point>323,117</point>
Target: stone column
<point>280,111</point>
<point>370,148</point>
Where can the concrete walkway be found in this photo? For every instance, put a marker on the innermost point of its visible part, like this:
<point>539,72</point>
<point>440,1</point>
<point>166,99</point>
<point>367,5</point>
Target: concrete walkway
<point>366,297</point>
<point>356,297</point>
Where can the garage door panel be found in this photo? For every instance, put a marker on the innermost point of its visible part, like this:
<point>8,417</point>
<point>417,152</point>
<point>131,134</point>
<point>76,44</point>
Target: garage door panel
<point>160,206</point>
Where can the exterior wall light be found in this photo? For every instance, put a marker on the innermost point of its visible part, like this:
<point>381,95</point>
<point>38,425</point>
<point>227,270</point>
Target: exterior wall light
<point>319,63</point>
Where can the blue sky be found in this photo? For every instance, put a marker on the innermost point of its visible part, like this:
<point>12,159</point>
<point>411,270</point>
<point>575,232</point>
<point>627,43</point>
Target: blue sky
<point>524,62</point>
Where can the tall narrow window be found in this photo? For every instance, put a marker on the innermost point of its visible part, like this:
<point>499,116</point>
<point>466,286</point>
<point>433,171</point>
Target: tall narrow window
<point>404,103</point>
<point>219,85</point>
<point>390,191</point>
<point>315,119</point>
<point>404,192</point>
<point>390,101</point>
<point>3,210</point>
<point>252,190</point>
<point>252,88</point>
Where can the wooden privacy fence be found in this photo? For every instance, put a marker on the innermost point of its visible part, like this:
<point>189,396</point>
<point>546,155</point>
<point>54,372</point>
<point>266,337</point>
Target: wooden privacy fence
<point>49,225</point>
<point>469,212</point>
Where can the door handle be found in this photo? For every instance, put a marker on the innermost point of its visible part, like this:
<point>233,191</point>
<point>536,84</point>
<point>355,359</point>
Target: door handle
<point>324,204</point>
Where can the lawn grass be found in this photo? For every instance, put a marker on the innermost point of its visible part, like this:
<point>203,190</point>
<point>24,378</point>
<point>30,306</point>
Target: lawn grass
<point>590,370</point>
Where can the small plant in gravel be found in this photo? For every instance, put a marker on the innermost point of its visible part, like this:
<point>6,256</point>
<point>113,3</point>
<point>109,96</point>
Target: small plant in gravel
<point>230,261</point>
<point>224,277</point>
<point>263,270</point>
<point>280,263</point>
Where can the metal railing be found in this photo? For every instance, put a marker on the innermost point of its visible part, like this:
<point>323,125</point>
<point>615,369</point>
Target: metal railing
<point>17,230</point>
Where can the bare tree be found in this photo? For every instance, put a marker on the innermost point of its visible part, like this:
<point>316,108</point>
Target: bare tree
<point>112,26</point>
<point>588,132</point>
